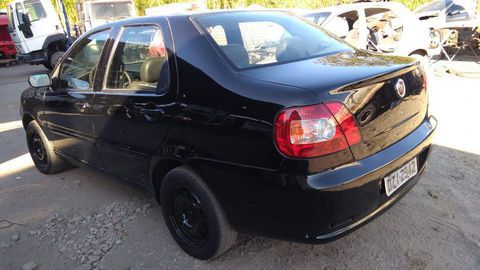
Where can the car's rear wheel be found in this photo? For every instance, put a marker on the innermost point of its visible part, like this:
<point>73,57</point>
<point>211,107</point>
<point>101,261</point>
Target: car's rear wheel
<point>194,216</point>
<point>41,151</point>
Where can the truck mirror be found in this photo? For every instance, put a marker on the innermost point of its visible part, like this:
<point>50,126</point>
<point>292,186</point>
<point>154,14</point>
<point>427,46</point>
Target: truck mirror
<point>26,19</point>
<point>39,80</point>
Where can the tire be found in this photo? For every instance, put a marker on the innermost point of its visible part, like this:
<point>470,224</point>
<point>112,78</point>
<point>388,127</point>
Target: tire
<point>41,151</point>
<point>193,215</point>
<point>48,66</point>
<point>55,58</point>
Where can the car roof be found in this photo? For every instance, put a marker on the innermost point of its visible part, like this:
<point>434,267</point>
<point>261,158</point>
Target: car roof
<point>186,15</point>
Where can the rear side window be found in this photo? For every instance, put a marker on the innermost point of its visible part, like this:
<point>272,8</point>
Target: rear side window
<point>267,37</point>
<point>139,61</point>
<point>79,67</point>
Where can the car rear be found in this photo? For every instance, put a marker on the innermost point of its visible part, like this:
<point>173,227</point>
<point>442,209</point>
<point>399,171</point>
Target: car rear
<point>356,148</point>
<point>355,152</point>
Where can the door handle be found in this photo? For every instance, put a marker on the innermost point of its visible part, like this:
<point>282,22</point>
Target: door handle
<point>82,107</point>
<point>148,111</point>
<point>151,114</point>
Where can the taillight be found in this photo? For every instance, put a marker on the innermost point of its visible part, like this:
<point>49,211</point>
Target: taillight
<point>315,130</point>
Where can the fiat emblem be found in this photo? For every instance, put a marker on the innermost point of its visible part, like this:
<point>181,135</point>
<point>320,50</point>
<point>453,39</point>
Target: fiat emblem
<point>400,88</point>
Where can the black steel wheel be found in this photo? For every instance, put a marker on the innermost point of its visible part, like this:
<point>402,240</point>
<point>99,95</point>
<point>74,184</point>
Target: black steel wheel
<point>39,153</point>
<point>42,152</point>
<point>188,218</point>
<point>193,215</point>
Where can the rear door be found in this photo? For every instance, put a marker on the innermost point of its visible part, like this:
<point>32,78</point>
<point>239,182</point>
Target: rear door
<point>137,99</point>
<point>68,104</point>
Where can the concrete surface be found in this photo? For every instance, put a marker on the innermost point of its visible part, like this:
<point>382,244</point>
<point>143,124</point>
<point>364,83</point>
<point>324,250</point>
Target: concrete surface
<point>80,217</point>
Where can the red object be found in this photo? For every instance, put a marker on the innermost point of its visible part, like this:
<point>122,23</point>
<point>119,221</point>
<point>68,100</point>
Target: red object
<point>316,130</point>
<point>7,49</point>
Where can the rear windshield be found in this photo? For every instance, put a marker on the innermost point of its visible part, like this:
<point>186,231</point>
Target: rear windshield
<point>250,39</point>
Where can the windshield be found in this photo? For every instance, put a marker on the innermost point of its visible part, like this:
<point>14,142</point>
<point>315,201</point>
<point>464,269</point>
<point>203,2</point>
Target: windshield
<point>112,10</point>
<point>34,10</point>
<point>317,18</point>
<point>11,22</point>
<point>434,6</point>
<point>249,39</point>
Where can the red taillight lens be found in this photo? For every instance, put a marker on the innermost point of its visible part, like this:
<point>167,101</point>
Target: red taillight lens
<point>315,130</point>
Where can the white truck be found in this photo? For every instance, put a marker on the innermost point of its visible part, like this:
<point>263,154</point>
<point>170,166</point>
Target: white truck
<point>93,13</point>
<point>36,31</point>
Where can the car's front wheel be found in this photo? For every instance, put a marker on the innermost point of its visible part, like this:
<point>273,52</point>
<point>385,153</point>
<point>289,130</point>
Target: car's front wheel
<point>194,216</point>
<point>41,151</point>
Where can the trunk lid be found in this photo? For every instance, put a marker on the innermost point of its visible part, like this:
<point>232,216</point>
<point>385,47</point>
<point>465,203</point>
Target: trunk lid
<point>366,84</point>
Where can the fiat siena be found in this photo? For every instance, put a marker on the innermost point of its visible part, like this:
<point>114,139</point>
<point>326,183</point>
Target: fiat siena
<point>242,121</point>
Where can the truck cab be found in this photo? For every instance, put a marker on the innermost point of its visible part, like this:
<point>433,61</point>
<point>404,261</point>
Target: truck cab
<point>94,13</point>
<point>36,31</point>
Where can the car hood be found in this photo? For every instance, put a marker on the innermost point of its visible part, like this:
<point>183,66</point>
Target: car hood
<point>324,74</point>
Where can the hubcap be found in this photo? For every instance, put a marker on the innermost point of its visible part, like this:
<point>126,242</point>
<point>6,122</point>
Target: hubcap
<point>189,218</point>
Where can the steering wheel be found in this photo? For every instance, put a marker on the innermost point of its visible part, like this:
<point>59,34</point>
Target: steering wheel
<point>127,80</point>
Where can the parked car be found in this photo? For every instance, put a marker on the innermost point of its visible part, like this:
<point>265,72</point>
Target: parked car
<point>306,140</point>
<point>7,49</point>
<point>382,27</point>
<point>440,14</point>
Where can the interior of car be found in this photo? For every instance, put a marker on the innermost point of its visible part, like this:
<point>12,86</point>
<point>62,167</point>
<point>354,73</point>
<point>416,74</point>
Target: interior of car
<point>385,29</point>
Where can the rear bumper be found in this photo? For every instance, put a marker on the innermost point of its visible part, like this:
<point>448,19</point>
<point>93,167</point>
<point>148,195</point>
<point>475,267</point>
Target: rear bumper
<point>329,204</point>
<point>7,50</point>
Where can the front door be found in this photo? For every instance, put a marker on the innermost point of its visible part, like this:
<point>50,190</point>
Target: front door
<point>68,104</point>
<point>132,111</point>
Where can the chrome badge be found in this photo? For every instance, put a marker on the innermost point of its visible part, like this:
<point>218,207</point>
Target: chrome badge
<point>400,88</point>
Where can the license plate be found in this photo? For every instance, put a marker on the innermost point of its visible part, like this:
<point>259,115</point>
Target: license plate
<point>400,176</point>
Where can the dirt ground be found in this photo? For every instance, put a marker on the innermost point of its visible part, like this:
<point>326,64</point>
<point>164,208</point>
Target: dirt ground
<point>81,219</point>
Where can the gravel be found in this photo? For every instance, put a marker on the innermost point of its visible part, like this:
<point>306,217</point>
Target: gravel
<point>15,237</point>
<point>29,266</point>
<point>86,239</point>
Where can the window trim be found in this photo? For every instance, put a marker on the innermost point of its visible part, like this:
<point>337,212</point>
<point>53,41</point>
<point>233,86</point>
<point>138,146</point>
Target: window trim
<point>123,91</point>
<point>58,70</point>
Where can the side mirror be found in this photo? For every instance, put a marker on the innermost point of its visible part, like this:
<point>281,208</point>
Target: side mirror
<point>39,80</point>
<point>26,19</point>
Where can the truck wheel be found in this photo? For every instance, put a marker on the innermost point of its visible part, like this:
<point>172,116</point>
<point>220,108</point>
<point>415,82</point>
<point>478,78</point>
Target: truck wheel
<point>55,58</point>
<point>194,216</point>
<point>48,66</point>
<point>41,151</point>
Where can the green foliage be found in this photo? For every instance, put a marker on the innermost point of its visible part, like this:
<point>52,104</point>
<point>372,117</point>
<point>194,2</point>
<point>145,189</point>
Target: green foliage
<point>141,5</point>
<point>3,3</point>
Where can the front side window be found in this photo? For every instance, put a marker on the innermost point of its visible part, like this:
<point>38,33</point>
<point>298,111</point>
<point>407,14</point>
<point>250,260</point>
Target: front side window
<point>35,10</point>
<point>140,60</point>
<point>79,67</point>
<point>346,26</point>
<point>19,11</point>
<point>268,37</point>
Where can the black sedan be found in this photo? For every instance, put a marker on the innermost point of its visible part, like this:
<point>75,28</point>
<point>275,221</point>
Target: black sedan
<point>243,121</point>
